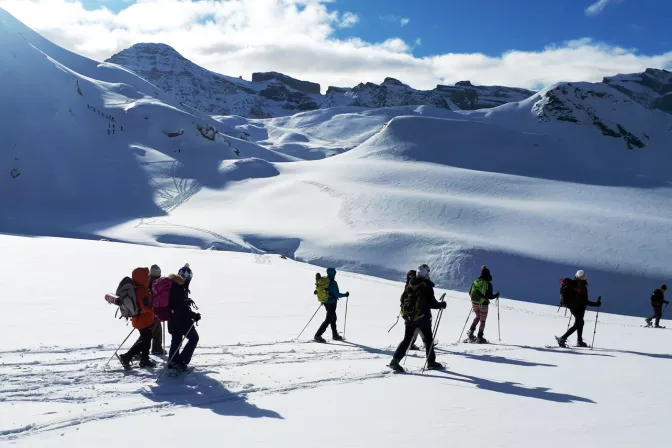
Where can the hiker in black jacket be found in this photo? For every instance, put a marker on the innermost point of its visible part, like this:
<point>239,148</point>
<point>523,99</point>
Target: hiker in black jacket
<point>657,301</point>
<point>419,301</point>
<point>181,323</point>
<point>575,297</point>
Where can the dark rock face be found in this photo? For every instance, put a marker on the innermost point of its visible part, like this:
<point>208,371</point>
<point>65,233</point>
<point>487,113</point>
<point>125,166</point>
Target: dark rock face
<point>302,86</point>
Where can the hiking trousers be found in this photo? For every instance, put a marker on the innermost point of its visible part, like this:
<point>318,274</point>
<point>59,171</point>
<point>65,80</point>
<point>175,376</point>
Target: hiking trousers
<point>481,313</point>
<point>657,313</point>
<point>141,346</point>
<point>157,337</point>
<point>426,332</point>
<point>330,320</point>
<point>188,350</point>
<point>578,326</point>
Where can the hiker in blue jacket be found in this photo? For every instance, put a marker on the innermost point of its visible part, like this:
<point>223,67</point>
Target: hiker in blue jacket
<point>330,305</point>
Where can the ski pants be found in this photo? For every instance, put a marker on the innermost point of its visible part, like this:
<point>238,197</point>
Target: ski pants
<point>188,350</point>
<point>157,337</point>
<point>141,346</point>
<point>481,313</point>
<point>426,332</point>
<point>415,337</point>
<point>330,320</point>
<point>578,326</point>
<point>657,313</point>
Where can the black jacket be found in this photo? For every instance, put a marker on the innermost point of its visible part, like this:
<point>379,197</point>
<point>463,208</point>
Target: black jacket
<point>658,298</point>
<point>180,311</point>
<point>579,297</point>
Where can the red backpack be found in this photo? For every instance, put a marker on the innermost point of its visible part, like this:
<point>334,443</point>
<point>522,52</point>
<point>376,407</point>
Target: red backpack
<point>161,294</point>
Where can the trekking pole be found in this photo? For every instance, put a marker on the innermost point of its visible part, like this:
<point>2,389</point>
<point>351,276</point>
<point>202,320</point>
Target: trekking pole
<point>597,315</point>
<point>436,329</point>
<point>395,324</point>
<point>163,335</point>
<point>569,322</point>
<point>176,352</point>
<point>115,352</point>
<point>345,321</point>
<point>499,333</point>
<point>465,324</point>
<point>311,319</point>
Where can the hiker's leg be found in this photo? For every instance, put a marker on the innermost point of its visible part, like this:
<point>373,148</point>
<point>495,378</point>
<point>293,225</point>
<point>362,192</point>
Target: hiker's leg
<point>176,339</point>
<point>325,324</point>
<point>334,317</point>
<point>483,316</point>
<point>659,314</point>
<point>429,343</point>
<point>157,343</point>
<point>405,343</point>
<point>477,318</point>
<point>137,347</point>
<point>574,327</point>
<point>188,351</point>
<point>146,336</point>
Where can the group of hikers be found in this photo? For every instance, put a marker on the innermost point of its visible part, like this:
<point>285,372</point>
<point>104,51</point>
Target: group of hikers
<point>161,299</point>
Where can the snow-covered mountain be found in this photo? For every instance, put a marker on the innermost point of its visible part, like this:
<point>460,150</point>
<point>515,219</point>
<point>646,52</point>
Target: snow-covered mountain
<point>275,95</point>
<point>576,175</point>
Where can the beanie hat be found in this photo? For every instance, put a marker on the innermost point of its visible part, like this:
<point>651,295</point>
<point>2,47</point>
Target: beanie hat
<point>155,271</point>
<point>185,272</point>
<point>580,275</point>
<point>423,271</point>
<point>664,287</point>
<point>485,273</point>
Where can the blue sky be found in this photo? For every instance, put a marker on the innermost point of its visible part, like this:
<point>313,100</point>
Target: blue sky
<point>523,43</point>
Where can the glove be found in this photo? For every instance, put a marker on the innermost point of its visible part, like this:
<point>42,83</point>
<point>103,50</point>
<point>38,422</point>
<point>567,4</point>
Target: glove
<point>315,292</point>
<point>496,296</point>
<point>599,301</point>
<point>196,317</point>
<point>347,294</point>
<point>443,305</point>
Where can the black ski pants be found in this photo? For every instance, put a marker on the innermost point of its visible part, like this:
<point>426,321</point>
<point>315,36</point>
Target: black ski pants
<point>330,320</point>
<point>141,346</point>
<point>657,313</point>
<point>426,331</point>
<point>178,331</point>
<point>578,325</point>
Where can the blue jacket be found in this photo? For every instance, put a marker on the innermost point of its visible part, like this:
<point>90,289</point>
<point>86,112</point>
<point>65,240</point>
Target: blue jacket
<point>334,292</point>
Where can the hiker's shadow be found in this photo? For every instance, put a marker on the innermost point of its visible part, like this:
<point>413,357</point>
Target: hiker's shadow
<point>511,388</point>
<point>495,359</point>
<point>200,391</point>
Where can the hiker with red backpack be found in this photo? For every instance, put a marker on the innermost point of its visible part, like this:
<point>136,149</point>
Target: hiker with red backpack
<point>157,334</point>
<point>182,320</point>
<point>138,285</point>
<point>574,296</point>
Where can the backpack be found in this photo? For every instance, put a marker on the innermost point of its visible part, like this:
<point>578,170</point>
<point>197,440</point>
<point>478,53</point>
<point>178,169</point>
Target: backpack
<point>410,302</point>
<point>479,291</point>
<point>567,292</point>
<point>126,300</point>
<point>161,296</point>
<point>322,288</point>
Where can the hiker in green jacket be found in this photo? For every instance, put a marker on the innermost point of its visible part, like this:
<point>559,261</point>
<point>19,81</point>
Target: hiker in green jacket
<point>481,295</point>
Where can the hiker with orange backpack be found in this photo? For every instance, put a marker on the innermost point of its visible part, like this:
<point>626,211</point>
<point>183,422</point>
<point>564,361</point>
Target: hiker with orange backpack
<point>143,322</point>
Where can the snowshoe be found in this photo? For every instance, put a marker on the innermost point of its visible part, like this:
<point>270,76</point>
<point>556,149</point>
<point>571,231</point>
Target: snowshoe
<point>147,363</point>
<point>320,339</point>
<point>435,366</point>
<point>658,326</point>
<point>394,365</point>
<point>581,344</point>
<point>415,348</point>
<point>561,342</point>
<point>337,337</point>
<point>125,362</point>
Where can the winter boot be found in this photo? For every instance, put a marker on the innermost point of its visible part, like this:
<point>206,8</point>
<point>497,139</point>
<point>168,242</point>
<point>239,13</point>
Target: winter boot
<point>481,340</point>
<point>394,365</point>
<point>178,366</point>
<point>415,347</point>
<point>562,342</point>
<point>337,337</point>
<point>124,360</point>
<point>320,339</point>
<point>435,366</point>
<point>470,336</point>
<point>581,344</point>
<point>648,321</point>
<point>147,363</point>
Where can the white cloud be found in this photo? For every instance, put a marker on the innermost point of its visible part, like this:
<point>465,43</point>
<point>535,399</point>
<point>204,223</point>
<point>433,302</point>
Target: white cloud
<point>348,20</point>
<point>404,21</point>
<point>418,42</point>
<point>598,7</point>
<point>297,37</point>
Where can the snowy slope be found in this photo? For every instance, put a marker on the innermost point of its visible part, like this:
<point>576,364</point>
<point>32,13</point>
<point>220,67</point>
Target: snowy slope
<point>255,386</point>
